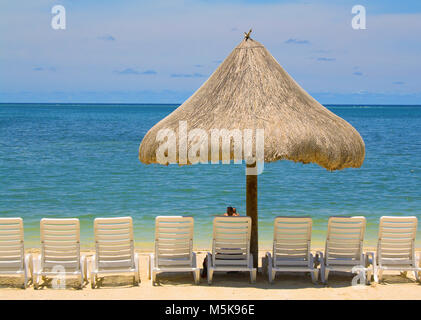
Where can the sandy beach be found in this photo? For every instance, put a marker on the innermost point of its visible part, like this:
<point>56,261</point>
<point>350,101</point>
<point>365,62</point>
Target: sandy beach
<point>225,286</point>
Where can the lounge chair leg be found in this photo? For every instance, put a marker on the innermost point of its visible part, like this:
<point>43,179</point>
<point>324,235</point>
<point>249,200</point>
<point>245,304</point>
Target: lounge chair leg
<point>151,257</point>
<point>264,265</point>
<point>81,281</point>
<point>29,269</point>
<point>209,267</point>
<point>380,275</point>
<point>93,277</point>
<point>271,273</point>
<point>196,272</point>
<point>314,275</point>
<point>153,277</point>
<point>417,276</point>
<point>253,275</point>
<point>37,269</point>
<point>136,279</point>
<point>375,273</point>
<point>93,273</point>
<point>210,276</point>
<point>83,271</point>
<point>25,279</point>
<point>320,261</point>
<point>196,276</point>
<point>326,276</point>
<point>36,281</point>
<point>368,279</point>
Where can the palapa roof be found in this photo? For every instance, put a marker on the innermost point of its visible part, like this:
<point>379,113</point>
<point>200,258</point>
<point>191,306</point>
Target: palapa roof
<point>250,90</point>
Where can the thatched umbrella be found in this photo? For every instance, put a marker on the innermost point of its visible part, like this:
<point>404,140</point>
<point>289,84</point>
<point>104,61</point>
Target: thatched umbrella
<point>250,90</point>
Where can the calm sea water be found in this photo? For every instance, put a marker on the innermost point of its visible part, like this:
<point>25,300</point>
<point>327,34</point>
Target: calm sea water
<point>82,161</point>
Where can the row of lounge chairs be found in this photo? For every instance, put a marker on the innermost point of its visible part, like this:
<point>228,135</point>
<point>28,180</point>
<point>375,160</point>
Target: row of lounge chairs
<point>173,252</point>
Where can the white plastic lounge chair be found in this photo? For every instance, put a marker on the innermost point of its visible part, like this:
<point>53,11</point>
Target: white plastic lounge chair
<point>173,247</point>
<point>291,248</point>
<point>60,251</point>
<point>114,247</point>
<point>396,247</point>
<point>231,247</point>
<point>13,259</point>
<point>344,248</point>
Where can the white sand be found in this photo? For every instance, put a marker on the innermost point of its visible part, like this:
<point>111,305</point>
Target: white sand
<point>225,286</point>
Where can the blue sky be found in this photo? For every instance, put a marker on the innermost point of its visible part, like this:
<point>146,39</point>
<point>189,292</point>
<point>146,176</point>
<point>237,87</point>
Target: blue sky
<point>161,51</point>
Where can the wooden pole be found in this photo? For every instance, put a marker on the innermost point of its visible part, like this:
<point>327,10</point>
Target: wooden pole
<point>251,205</point>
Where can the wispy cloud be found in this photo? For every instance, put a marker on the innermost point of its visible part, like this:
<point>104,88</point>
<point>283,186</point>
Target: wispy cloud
<point>326,59</point>
<point>357,73</point>
<point>131,71</point>
<point>51,69</point>
<point>149,72</point>
<point>217,61</point>
<point>398,82</point>
<point>106,37</point>
<point>187,75</point>
<point>296,41</point>
<point>199,65</point>
<point>323,51</point>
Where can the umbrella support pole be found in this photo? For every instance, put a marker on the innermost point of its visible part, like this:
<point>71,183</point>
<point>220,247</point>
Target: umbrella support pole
<point>251,205</point>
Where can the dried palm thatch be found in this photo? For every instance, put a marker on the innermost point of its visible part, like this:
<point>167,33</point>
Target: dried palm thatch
<point>250,90</point>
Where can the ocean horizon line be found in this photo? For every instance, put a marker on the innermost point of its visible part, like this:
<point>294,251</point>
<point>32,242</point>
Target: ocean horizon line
<point>178,104</point>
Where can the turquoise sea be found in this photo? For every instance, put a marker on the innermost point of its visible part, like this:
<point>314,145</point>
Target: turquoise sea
<point>81,160</point>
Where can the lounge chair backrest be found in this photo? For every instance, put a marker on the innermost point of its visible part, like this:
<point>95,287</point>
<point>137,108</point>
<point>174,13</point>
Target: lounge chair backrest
<point>114,243</point>
<point>11,244</point>
<point>344,242</point>
<point>396,243</point>
<point>60,243</point>
<point>173,241</point>
<point>231,241</point>
<point>291,241</point>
